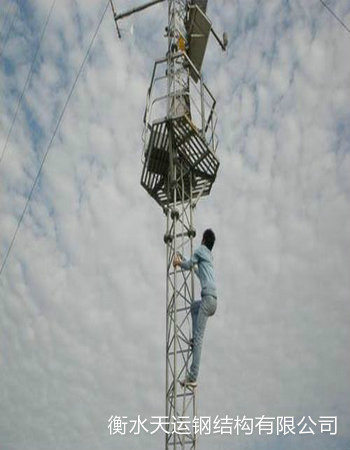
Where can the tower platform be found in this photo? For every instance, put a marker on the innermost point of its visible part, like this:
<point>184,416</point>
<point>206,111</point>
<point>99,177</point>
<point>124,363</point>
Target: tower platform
<point>193,158</point>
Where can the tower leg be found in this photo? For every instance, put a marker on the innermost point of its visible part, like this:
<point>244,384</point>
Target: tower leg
<point>180,401</point>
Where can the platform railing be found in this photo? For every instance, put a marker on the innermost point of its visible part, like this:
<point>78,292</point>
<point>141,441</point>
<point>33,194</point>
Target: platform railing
<point>202,112</point>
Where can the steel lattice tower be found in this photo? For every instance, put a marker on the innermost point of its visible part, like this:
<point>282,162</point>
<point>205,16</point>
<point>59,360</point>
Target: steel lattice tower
<point>179,167</point>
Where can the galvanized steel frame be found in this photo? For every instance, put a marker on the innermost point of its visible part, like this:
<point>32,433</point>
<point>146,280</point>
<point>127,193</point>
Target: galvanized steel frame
<point>180,401</point>
<point>179,167</point>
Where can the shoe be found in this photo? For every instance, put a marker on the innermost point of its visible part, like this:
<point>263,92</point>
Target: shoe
<point>191,343</point>
<point>188,382</point>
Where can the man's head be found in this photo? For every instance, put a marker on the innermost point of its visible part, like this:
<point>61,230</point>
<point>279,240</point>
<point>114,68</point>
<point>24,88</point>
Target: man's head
<point>208,238</point>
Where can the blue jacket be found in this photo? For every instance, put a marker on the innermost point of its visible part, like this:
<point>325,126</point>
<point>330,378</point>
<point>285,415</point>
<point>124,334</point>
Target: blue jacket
<point>203,258</point>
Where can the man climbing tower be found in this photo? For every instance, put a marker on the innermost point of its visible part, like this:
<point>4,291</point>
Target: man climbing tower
<point>204,308</point>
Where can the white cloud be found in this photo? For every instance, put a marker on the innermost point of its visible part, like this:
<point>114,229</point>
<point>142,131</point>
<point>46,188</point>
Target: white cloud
<point>82,319</point>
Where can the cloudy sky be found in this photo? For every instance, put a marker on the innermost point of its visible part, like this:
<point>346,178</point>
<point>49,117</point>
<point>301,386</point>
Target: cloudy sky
<point>82,310</point>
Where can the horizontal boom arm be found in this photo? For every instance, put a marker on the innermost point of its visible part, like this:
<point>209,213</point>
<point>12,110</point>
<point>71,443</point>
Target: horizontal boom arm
<point>137,9</point>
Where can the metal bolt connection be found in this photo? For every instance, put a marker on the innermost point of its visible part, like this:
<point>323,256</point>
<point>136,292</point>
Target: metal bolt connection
<point>168,238</point>
<point>191,233</point>
<point>175,214</point>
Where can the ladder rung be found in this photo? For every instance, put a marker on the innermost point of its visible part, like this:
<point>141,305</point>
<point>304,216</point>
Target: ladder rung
<point>182,309</point>
<point>179,351</point>
<point>186,394</point>
<point>182,234</point>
